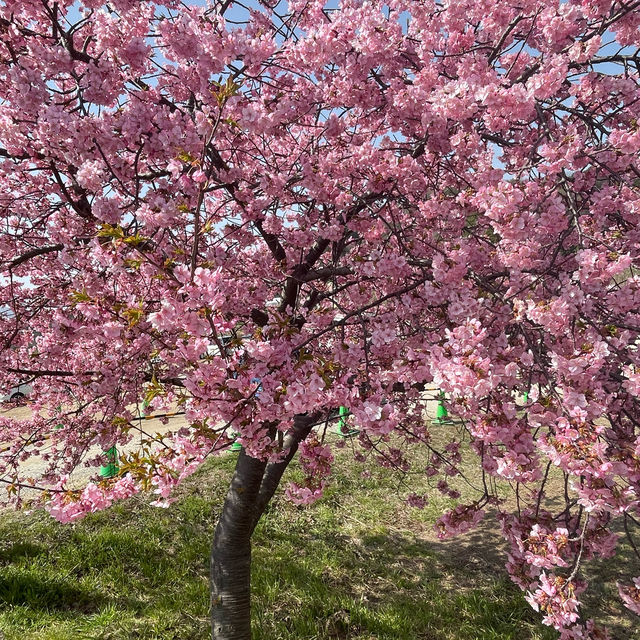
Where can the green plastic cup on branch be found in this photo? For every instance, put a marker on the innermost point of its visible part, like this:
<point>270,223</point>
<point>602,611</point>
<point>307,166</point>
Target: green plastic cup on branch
<point>442,415</point>
<point>112,467</point>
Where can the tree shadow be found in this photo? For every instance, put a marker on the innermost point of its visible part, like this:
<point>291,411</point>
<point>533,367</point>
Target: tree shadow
<point>20,550</point>
<point>387,587</point>
<point>28,579</point>
<point>483,551</point>
<point>20,587</point>
<point>52,594</point>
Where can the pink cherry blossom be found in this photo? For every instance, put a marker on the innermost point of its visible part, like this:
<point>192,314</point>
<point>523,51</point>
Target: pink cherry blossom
<point>258,216</point>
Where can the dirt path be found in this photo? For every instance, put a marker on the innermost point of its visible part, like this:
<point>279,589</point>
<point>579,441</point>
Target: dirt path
<point>34,467</point>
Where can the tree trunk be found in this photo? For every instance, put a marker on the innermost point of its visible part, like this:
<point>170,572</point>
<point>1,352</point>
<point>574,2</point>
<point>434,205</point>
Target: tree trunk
<point>274,471</point>
<point>253,485</point>
<point>231,554</point>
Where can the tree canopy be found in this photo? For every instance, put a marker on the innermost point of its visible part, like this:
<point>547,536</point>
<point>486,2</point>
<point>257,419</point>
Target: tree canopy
<point>262,213</point>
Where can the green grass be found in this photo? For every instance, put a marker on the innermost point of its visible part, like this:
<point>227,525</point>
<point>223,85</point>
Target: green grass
<point>356,565</point>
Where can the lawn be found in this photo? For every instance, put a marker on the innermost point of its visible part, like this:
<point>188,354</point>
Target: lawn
<point>356,565</point>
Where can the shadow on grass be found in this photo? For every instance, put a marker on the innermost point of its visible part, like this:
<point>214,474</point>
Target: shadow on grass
<point>22,589</point>
<point>20,550</point>
<point>601,599</point>
<point>335,571</point>
<point>21,586</point>
<point>479,553</point>
<point>381,587</point>
<point>77,571</point>
<point>482,553</point>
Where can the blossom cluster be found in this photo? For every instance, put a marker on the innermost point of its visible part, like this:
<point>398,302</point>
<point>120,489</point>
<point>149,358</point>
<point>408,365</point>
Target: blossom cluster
<point>256,219</point>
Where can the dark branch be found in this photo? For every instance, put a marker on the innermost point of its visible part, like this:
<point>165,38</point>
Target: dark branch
<point>33,253</point>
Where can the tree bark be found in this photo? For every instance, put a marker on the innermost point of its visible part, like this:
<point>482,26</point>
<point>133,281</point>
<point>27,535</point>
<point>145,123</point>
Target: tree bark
<point>231,554</point>
<point>253,485</point>
<point>274,470</point>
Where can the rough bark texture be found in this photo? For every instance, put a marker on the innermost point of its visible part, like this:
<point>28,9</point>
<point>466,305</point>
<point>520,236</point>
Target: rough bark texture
<point>274,470</point>
<point>231,554</point>
<point>253,485</point>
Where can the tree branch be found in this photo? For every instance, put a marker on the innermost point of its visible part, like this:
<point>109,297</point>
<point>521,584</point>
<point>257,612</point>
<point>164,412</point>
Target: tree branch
<point>302,425</point>
<point>33,253</point>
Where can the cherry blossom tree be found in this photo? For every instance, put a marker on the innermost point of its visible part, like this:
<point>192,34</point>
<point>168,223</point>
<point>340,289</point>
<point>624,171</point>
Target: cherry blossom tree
<point>261,212</point>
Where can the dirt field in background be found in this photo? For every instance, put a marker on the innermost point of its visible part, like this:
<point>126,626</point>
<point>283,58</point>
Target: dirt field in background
<point>35,466</point>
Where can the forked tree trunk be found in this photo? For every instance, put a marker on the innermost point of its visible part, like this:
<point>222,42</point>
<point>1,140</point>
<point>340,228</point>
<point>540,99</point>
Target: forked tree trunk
<point>231,554</point>
<point>253,484</point>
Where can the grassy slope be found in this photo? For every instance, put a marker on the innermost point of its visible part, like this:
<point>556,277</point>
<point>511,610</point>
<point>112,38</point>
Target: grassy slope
<point>356,565</point>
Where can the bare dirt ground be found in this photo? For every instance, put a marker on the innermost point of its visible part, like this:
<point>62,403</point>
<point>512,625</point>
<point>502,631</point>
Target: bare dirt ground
<point>34,467</point>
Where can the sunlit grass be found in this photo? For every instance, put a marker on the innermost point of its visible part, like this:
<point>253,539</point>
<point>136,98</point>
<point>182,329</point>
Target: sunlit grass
<point>356,565</point>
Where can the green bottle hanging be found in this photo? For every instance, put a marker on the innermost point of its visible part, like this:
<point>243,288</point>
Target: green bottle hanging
<point>111,468</point>
<point>442,415</point>
<point>344,430</point>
